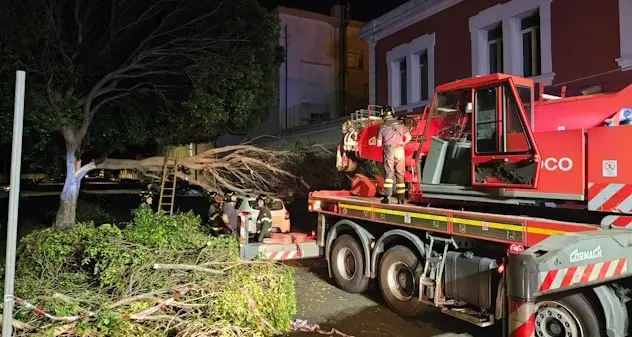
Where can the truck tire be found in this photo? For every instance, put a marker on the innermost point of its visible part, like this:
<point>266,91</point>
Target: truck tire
<point>400,270</point>
<point>347,264</point>
<point>569,316</point>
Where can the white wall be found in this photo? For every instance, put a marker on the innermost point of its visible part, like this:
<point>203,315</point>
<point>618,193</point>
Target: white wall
<point>310,68</point>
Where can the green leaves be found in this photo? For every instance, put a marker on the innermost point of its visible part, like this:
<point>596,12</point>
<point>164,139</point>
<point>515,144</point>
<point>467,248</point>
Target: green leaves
<point>191,70</point>
<point>159,230</point>
<point>109,271</point>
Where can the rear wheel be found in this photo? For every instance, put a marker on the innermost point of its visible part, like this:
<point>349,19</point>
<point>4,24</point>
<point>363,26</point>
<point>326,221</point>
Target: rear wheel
<point>400,270</point>
<point>347,264</point>
<point>570,316</point>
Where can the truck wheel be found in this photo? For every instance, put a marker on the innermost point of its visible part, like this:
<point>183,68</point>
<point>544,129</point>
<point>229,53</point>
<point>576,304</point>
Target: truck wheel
<point>570,316</point>
<point>400,270</point>
<point>347,264</point>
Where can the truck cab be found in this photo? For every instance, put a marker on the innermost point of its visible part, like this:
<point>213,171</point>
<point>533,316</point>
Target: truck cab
<point>480,135</point>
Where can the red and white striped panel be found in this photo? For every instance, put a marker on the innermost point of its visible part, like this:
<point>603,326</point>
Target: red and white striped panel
<point>283,255</point>
<point>566,277</point>
<point>521,319</point>
<point>610,197</point>
<point>617,222</point>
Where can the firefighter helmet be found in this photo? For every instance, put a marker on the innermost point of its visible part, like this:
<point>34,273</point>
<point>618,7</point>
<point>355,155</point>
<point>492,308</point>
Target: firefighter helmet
<point>386,110</point>
<point>230,196</point>
<point>215,197</point>
<point>263,198</point>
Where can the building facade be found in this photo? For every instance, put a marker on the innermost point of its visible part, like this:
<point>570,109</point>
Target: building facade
<point>583,45</point>
<point>309,81</point>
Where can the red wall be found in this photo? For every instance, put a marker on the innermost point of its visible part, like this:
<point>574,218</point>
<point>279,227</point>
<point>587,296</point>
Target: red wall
<point>585,43</point>
<point>584,34</point>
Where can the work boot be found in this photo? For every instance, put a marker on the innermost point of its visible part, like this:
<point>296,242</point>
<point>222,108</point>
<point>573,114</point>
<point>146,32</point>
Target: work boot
<point>401,198</point>
<point>388,192</point>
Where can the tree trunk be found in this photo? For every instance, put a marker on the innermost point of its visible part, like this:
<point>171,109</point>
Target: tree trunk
<point>67,212</point>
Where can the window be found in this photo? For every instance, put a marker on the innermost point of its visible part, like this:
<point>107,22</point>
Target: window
<point>515,139</point>
<point>276,205</point>
<point>403,81</point>
<point>411,73</point>
<point>486,120</point>
<point>451,107</point>
<point>530,29</point>
<point>355,59</point>
<point>525,41</point>
<point>423,77</point>
<point>495,41</point>
<point>625,27</point>
<point>526,97</point>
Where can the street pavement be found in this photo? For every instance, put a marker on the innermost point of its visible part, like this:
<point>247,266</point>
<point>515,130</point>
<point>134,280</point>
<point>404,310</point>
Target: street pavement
<point>319,301</point>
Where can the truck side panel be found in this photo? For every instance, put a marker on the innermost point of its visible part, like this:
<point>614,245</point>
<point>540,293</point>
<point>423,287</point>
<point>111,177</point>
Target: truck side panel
<point>526,231</point>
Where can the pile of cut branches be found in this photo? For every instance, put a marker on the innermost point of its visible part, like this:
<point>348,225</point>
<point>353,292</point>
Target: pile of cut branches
<point>160,276</point>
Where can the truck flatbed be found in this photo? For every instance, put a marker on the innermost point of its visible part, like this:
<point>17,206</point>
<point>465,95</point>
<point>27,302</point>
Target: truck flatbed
<point>524,230</point>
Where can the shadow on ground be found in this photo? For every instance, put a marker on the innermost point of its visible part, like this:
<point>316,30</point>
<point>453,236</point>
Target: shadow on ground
<point>320,301</point>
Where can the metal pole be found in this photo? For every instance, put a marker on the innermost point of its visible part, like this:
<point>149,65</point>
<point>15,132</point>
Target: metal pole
<point>14,200</point>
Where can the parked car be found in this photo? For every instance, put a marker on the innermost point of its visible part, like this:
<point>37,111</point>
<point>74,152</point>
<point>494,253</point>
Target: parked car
<point>247,207</point>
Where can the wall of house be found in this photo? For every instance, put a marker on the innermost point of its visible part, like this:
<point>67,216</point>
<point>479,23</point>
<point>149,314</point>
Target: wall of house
<point>357,76</point>
<point>308,83</point>
<point>584,55</point>
<point>452,44</point>
<point>579,49</point>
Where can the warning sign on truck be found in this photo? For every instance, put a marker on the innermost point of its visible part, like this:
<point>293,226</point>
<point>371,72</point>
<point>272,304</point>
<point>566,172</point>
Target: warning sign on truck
<point>609,168</point>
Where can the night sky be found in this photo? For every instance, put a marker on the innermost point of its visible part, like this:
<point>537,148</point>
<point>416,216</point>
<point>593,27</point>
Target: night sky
<point>359,10</point>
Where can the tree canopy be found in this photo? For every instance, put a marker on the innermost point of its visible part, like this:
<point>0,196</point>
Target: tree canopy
<point>120,74</point>
<point>106,76</point>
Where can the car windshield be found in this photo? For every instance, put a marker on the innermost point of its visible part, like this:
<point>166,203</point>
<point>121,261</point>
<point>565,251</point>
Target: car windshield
<point>277,205</point>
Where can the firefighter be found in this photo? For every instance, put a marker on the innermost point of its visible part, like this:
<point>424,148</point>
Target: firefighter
<point>215,210</point>
<point>229,214</point>
<point>392,136</point>
<point>147,196</point>
<point>264,220</point>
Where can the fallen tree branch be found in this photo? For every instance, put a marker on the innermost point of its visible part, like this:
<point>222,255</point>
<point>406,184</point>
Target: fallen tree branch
<point>241,168</point>
<point>187,267</point>
<point>159,318</point>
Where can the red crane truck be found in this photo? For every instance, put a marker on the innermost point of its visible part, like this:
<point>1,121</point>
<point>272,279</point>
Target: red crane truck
<point>519,211</point>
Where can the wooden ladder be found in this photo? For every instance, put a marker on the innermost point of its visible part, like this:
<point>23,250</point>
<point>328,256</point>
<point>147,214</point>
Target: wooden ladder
<point>168,188</point>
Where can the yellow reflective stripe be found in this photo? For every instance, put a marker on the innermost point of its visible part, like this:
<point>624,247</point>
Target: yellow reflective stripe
<point>400,191</point>
<point>478,223</point>
<point>388,185</point>
<point>401,185</point>
<point>357,208</point>
<point>543,231</point>
<point>489,224</point>
<point>388,180</point>
<point>517,228</point>
<point>396,212</point>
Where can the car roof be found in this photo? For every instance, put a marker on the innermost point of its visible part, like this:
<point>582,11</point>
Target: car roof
<point>252,198</point>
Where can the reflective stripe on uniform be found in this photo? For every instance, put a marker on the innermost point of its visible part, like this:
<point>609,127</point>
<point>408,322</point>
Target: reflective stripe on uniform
<point>388,183</point>
<point>264,219</point>
<point>400,188</point>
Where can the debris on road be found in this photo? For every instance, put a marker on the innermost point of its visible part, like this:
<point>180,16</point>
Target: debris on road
<point>303,326</point>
